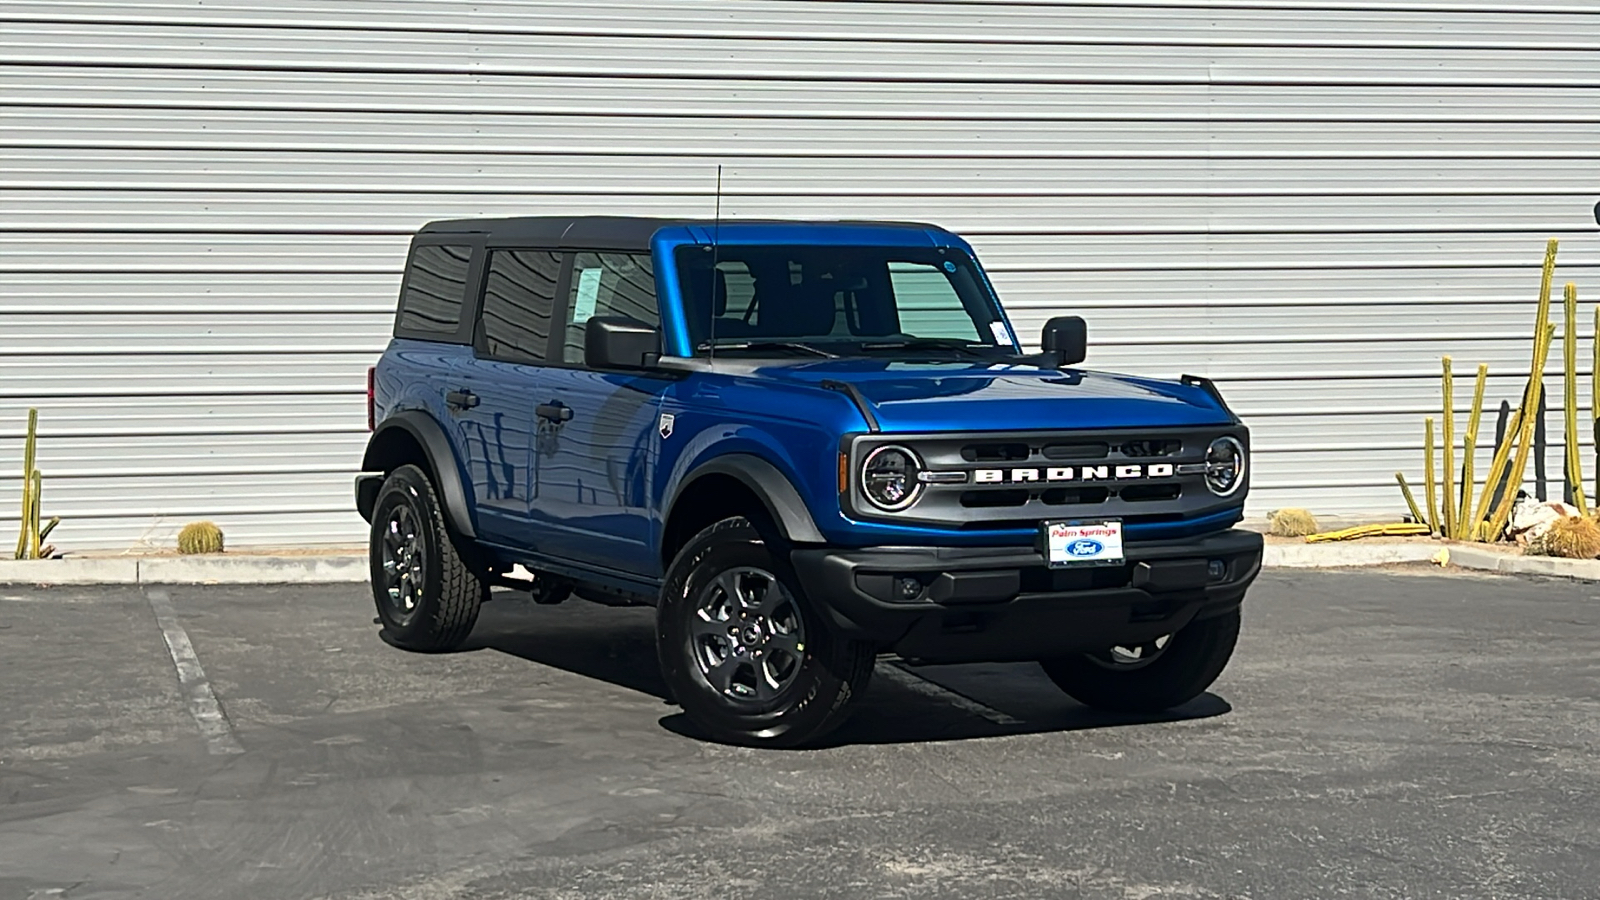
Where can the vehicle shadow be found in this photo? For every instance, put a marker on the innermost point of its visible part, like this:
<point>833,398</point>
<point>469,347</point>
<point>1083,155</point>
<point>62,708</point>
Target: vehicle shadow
<point>901,705</point>
<point>608,644</point>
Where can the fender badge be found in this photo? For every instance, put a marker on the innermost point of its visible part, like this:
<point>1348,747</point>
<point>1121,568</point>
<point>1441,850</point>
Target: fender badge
<point>666,425</point>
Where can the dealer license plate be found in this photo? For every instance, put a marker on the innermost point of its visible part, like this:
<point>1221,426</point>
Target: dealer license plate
<point>1096,543</point>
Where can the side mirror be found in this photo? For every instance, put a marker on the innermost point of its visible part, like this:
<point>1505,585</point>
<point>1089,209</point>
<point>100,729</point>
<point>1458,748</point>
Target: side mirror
<point>618,342</point>
<point>1066,338</point>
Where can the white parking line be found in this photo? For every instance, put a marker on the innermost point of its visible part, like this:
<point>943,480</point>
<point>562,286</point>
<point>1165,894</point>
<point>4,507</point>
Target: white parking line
<point>912,681</point>
<point>203,706</point>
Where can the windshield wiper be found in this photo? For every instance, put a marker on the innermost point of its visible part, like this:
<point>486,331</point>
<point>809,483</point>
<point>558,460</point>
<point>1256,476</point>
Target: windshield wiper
<point>768,345</point>
<point>955,344</point>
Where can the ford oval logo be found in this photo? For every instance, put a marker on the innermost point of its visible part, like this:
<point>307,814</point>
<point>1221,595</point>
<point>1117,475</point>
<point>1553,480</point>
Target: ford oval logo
<point>1085,547</point>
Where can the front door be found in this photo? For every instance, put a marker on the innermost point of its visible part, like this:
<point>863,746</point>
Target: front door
<point>597,432</point>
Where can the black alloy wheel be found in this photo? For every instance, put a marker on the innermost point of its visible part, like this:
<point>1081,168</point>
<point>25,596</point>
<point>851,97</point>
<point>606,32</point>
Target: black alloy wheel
<point>403,562</point>
<point>741,649</point>
<point>748,635</point>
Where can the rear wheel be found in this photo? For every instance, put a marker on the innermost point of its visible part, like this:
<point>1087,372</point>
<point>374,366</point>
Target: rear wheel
<point>427,596</point>
<point>741,648</point>
<point>1149,677</point>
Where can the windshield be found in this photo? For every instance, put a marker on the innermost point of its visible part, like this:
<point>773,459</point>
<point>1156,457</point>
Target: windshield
<point>767,298</point>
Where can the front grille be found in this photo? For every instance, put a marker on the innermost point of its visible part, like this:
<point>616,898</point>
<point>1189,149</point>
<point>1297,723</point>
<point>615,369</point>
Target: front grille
<point>1076,451</point>
<point>1048,496</point>
<point>1011,452</point>
<point>1149,493</point>
<point>1074,496</point>
<point>991,499</point>
<point>1007,480</point>
<point>1149,448</point>
<point>1142,493</point>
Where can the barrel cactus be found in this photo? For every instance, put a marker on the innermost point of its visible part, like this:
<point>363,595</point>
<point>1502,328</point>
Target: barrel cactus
<point>1291,523</point>
<point>200,537</point>
<point>1572,537</point>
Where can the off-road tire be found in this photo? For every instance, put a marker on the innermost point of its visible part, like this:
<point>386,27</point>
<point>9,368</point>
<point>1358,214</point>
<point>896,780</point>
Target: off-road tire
<point>832,672</point>
<point>1185,668</point>
<point>449,592</point>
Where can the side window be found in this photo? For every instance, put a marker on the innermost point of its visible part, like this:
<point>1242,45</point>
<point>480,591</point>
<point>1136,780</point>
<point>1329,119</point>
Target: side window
<point>518,295</point>
<point>928,303</point>
<point>436,282</point>
<point>608,284</point>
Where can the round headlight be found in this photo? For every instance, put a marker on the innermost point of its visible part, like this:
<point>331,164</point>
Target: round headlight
<point>1224,466</point>
<point>889,477</point>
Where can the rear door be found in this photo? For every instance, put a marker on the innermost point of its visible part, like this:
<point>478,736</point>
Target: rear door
<point>434,330</point>
<point>598,433</point>
<point>510,349</point>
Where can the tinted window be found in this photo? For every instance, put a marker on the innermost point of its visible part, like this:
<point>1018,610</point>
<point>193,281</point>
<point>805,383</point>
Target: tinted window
<point>436,281</point>
<point>518,296</point>
<point>608,284</point>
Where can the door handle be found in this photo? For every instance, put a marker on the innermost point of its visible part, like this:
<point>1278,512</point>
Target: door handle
<point>554,411</point>
<point>462,399</point>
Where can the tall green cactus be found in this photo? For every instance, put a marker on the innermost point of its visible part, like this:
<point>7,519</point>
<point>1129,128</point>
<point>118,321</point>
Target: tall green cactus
<point>30,510</point>
<point>30,539</point>
<point>1570,398</point>
<point>35,539</point>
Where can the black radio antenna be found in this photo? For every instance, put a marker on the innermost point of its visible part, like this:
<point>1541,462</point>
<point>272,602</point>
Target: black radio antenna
<point>716,230</point>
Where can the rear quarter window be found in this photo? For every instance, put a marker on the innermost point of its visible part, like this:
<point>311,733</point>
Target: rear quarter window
<point>435,287</point>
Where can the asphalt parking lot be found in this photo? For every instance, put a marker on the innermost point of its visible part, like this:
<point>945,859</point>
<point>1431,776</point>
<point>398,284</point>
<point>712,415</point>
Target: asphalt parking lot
<point>1378,735</point>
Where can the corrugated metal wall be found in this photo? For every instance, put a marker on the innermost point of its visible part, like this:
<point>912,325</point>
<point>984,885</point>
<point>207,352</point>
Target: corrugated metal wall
<point>206,205</point>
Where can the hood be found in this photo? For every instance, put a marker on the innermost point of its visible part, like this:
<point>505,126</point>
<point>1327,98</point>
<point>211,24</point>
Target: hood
<point>942,396</point>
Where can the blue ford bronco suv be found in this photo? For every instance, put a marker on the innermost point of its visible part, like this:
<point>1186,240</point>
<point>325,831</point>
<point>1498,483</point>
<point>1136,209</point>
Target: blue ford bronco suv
<point>805,444</point>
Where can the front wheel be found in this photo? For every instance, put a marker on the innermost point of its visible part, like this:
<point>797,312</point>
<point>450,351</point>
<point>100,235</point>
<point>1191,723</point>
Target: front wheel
<point>1156,675</point>
<point>741,649</point>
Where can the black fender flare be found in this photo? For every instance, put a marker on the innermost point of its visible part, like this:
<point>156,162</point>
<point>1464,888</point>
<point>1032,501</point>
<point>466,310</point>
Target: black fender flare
<point>770,485</point>
<point>440,462</point>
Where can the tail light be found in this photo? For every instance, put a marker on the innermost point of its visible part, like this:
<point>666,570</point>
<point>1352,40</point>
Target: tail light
<point>372,412</point>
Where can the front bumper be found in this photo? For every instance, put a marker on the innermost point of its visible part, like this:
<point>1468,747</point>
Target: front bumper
<point>969,604</point>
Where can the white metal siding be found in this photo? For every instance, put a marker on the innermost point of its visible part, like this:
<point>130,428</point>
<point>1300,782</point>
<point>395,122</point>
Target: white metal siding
<point>206,205</point>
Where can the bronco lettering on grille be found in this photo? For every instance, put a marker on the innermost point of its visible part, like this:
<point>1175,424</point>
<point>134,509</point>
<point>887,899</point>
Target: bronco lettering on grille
<point>1073,473</point>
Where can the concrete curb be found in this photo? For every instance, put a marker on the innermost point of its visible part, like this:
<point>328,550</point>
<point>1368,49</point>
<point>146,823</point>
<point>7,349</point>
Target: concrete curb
<point>352,568</point>
<point>241,569</point>
<point>87,570</point>
<point>1489,561</point>
<point>253,569</point>
<point>1344,555</point>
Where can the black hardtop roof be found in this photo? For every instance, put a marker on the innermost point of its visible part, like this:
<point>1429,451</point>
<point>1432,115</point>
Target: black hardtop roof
<point>609,232</point>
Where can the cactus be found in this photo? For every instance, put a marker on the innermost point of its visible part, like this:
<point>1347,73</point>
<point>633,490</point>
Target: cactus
<point>200,537</point>
<point>1428,482</point>
<point>1541,350</point>
<point>1387,529</point>
<point>29,537</point>
<point>1532,398</point>
<point>1570,358</point>
<point>1291,523</point>
<point>1411,501</point>
<point>1448,423</point>
<point>1497,471</point>
<point>1572,537</point>
<point>1487,519</point>
<point>35,539</point>
<point>1469,449</point>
